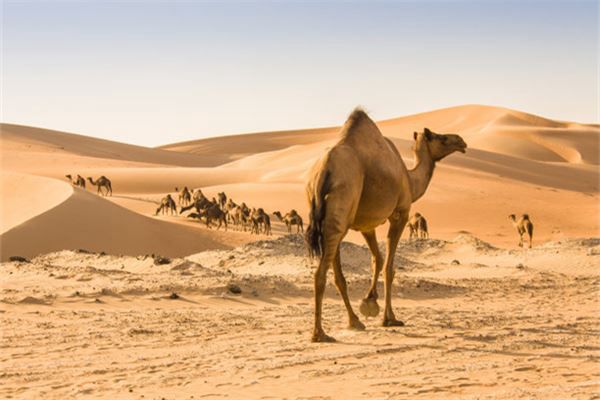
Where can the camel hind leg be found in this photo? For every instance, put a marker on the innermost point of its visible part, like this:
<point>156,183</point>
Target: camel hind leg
<point>340,282</point>
<point>369,306</point>
<point>331,244</point>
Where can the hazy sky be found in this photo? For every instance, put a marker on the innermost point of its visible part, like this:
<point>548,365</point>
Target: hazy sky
<point>156,72</point>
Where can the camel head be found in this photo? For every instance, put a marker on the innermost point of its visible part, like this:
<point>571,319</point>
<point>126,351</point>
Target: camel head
<point>277,214</point>
<point>68,176</point>
<point>89,178</point>
<point>438,145</point>
<point>512,217</point>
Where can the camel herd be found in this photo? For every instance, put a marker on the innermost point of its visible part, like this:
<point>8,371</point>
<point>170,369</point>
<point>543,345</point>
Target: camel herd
<point>256,220</point>
<point>224,212</point>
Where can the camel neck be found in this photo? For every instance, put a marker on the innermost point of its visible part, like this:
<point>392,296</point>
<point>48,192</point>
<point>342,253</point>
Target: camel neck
<point>421,174</point>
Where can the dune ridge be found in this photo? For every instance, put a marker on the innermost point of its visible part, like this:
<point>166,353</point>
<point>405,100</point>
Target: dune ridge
<point>516,162</point>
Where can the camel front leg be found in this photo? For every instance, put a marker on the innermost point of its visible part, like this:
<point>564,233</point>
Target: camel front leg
<point>396,227</point>
<point>340,282</point>
<point>369,306</point>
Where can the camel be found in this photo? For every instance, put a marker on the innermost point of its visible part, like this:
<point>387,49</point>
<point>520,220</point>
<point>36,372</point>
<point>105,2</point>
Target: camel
<point>80,181</point>
<point>167,204</point>
<point>260,218</point>
<point>360,183</point>
<point>241,216</point>
<point>185,197</point>
<point>199,204</point>
<point>417,224</point>
<point>222,200</point>
<point>524,226</point>
<point>212,213</point>
<point>197,194</point>
<point>102,182</point>
<point>289,219</point>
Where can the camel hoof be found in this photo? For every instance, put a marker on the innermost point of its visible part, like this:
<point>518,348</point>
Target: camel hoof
<point>369,307</point>
<point>357,325</point>
<point>392,322</point>
<point>322,338</point>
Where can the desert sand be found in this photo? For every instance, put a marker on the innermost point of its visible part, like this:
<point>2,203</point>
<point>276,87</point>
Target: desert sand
<point>92,316</point>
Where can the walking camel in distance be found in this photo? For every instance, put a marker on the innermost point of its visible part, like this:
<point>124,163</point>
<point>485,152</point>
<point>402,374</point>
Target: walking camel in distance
<point>417,224</point>
<point>524,226</point>
<point>80,181</point>
<point>289,219</point>
<point>359,184</point>
<point>102,182</point>
<point>185,197</point>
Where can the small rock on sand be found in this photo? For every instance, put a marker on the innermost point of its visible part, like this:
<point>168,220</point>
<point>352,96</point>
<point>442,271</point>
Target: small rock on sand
<point>18,259</point>
<point>159,260</point>
<point>233,288</point>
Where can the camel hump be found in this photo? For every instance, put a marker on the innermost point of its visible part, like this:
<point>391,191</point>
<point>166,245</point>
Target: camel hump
<point>359,125</point>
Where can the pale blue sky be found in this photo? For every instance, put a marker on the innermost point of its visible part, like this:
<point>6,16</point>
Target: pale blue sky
<point>153,72</point>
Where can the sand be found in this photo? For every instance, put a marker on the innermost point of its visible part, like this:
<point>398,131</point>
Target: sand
<point>91,315</point>
<point>503,324</point>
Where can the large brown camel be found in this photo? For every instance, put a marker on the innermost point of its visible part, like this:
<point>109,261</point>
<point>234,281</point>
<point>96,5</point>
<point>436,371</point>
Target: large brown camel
<point>185,197</point>
<point>80,181</point>
<point>417,224</point>
<point>102,182</point>
<point>289,219</point>
<point>167,206</point>
<point>360,183</point>
<point>524,226</point>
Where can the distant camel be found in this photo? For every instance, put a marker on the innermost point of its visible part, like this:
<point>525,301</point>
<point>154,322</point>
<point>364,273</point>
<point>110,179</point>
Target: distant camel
<point>167,205</point>
<point>417,224</point>
<point>524,226</point>
<point>185,197</point>
<point>260,218</point>
<point>241,216</point>
<point>200,203</point>
<point>212,213</point>
<point>289,219</point>
<point>358,184</point>
<point>222,200</point>
<point>230,209</point>
<point>197,194</point>
<point>80,181</point>
<point>102,182</point>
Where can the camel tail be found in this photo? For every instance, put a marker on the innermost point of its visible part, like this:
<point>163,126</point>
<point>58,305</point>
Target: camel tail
<point>314,231</point>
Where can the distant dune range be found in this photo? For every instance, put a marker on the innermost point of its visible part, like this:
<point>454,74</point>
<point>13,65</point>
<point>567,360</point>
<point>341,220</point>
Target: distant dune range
<point>516,162</point>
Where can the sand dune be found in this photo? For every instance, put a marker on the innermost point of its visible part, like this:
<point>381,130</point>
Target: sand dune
<point>494,129</point>
<point>516,162</point>
<point>81,220</point>
<point>18,142</point>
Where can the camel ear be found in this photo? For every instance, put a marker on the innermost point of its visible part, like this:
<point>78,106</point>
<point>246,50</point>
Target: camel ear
<point>415,135</point>
<point>428,134</point>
